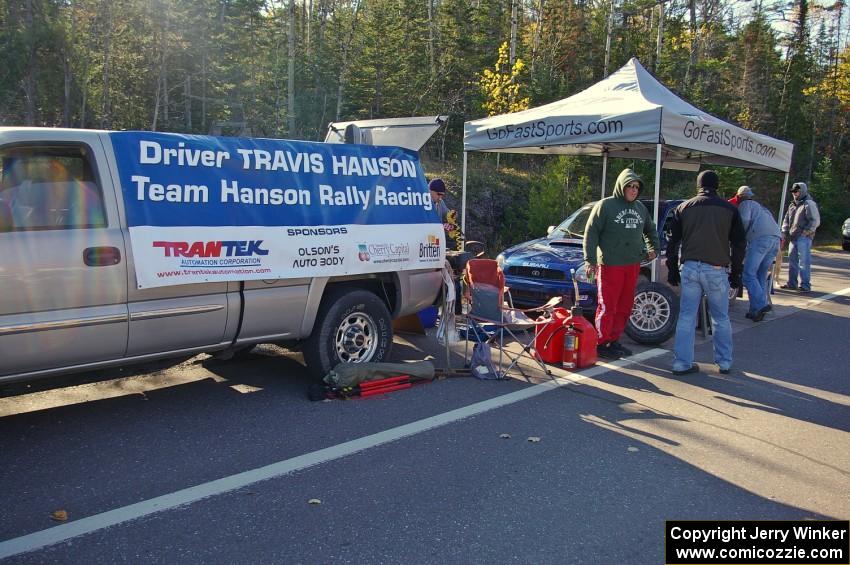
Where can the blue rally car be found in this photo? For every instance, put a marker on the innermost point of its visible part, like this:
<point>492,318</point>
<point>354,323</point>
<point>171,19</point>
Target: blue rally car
<point>539,269</point>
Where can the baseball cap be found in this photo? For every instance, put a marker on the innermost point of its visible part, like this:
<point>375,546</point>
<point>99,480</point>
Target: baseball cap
<point>437,185</point>
<point>745,192</point>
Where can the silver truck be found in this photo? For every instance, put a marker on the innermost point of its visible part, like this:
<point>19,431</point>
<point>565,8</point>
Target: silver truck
<point>69,299</point>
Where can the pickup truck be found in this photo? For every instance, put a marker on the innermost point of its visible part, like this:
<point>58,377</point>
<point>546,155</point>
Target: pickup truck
<point>71,300</point>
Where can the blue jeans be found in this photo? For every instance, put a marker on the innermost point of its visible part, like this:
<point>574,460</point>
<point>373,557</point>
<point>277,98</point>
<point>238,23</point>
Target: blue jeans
<point>760,255</point>
<point>698,279</point>
<point>800,262</point>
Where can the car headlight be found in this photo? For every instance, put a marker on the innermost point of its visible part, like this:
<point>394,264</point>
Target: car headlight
<point>581,274</point>
<point>500,259</point>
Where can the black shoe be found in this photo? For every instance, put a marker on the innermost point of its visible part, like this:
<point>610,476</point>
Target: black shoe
<point>768,308</point>
<point>725,371</point>
<point>787,286</point>
<point>692,369</point>
<point>802,290</point>
<point>607,351</point>
<point>759,316</point>
<point>749,315</point>
<point>622,350</point>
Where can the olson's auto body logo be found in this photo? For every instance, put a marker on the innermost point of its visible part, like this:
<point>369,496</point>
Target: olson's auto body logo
<point>430,251</point>
<point>363,252</point>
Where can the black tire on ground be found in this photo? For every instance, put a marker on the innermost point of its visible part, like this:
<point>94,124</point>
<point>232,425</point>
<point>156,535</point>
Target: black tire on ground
<point>352,326</point>
<point>845,245</point>
<point>653,319</point>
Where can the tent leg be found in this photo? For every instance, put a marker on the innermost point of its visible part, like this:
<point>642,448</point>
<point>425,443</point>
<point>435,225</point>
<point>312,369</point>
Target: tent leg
<point>782,201</point>
<point>604,171</point>
<point>463,203</point>
<point>655,203</point>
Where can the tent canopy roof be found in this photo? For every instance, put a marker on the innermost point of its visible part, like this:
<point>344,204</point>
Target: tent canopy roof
<point>627,115</point>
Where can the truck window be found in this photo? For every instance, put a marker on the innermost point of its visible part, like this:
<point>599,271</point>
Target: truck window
<point>49,188</point>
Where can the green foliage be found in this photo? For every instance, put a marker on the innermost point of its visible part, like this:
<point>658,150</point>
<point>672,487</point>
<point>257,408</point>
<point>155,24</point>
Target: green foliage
<point>560,190</point>
<point>833,202</point>
<point>216,66</point>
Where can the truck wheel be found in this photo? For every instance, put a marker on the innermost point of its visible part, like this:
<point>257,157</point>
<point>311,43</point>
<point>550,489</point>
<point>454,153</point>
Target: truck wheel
<point>352,326</point>
<point>654,314</point>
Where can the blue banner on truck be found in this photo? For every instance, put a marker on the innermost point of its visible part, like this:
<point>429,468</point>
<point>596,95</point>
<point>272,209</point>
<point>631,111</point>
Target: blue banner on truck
<point>203,208</point>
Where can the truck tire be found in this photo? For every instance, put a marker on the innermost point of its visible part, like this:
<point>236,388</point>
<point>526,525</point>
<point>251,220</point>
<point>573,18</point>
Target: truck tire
<point>352,326</point>
<point>654,315</point>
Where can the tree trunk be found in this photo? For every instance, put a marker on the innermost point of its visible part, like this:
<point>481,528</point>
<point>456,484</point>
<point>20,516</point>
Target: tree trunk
<point>343,68</point>
<point>431,59</point>
<point>512,57</point>
<point>105,110</point>
<point>188,99</point>
<point>66,99</point>
<point>290,84</point>
<point>692,58</point>
<point>30,78</point>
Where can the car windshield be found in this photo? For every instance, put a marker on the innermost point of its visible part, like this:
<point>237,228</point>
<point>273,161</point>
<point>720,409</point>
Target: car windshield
<point>573,226</point>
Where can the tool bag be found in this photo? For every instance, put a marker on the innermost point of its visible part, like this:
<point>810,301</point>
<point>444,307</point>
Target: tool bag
<point>352,374</point>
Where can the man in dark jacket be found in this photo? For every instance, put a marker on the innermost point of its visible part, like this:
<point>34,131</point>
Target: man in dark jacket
<point>616,235</point>
<point>706,226</point>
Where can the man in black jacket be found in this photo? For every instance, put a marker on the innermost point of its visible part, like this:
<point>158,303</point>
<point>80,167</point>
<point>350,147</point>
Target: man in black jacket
<point>707,226</point>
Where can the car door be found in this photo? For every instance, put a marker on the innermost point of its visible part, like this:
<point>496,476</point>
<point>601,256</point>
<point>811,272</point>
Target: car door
<point>63,273</point>
<point>174,318</point>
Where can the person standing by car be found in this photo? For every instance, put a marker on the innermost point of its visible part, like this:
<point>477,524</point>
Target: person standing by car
<point>707,226</point>
<point>798,228</point>
<point>617,232</point>
<point>437,187</point>
<point>762,234</point>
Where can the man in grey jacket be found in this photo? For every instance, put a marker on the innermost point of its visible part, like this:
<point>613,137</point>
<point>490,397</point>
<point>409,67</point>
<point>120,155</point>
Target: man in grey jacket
<point>762,234</point>
<point>798,228</point>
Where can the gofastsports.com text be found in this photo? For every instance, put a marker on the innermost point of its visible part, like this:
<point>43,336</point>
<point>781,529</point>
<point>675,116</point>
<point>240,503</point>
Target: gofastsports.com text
<point>757,542</point>
<point>544,130</point>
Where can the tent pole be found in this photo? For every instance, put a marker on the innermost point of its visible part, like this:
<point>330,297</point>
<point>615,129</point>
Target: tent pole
<point>463,203</point>
<point>604,171</point>
<point>655,202</point>
<point>782,202</point>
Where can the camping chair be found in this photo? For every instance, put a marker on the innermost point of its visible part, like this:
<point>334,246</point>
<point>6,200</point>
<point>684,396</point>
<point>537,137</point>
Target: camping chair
<point>492,320</point>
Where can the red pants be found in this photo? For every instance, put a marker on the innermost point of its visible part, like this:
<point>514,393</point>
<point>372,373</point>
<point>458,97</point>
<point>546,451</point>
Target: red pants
<point>615,295</point>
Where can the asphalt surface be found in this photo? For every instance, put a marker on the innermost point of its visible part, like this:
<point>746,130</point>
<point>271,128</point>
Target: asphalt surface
<point>620,450</point>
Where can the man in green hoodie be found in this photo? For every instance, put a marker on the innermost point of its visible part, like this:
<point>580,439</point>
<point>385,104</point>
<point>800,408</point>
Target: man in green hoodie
<point>618,234</point>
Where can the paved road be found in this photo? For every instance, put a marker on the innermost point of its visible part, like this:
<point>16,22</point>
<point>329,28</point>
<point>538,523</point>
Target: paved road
<point>152,466</point>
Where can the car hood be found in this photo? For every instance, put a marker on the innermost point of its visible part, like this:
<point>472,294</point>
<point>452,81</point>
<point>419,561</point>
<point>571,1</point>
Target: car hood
<point>560,254</point>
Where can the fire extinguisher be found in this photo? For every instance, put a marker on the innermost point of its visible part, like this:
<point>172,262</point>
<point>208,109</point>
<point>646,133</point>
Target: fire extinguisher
<point>571,338</point>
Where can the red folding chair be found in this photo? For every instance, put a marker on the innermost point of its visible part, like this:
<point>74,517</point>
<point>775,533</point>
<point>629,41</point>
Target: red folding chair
<point>492,320</point>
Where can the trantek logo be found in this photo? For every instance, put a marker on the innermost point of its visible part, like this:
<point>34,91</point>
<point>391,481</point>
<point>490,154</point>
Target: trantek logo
<point>212,248</point>
<point>430,250</point>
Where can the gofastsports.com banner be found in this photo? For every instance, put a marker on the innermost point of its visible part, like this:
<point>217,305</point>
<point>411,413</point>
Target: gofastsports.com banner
<point>203,209</point>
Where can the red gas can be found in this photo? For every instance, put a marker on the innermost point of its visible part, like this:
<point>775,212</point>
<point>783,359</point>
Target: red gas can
<point>582,350</point>
<point>549,341</point>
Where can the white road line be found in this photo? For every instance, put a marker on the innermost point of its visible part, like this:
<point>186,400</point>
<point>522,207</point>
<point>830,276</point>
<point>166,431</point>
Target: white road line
<point>826,297</point>
<point>57,534</point>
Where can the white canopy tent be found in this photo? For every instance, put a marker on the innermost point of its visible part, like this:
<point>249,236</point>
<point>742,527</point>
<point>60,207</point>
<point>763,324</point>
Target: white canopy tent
<point>632,115</point>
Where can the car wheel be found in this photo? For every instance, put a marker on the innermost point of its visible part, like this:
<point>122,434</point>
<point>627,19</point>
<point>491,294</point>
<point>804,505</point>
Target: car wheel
<point>352,326</point>
<point>654,314</point>
<point>845,245</point>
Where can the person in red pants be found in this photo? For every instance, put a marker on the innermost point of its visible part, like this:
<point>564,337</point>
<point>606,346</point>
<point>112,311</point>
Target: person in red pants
<point>618,236</point>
